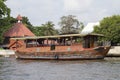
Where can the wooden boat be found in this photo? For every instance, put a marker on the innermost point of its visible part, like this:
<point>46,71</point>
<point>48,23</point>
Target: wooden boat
<point>60,47</point>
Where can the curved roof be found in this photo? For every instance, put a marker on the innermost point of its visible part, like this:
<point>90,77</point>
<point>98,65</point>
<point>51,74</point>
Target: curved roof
<point>89,28</point>
<point>18,30</point>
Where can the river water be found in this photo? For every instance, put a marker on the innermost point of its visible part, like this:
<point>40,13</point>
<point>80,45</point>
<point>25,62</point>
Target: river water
<point>12,69</point>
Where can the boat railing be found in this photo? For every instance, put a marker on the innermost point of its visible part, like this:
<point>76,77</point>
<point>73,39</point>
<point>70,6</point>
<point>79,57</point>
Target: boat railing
<point>107,43</point>
<point>44,45</point>
<point>102,43</point>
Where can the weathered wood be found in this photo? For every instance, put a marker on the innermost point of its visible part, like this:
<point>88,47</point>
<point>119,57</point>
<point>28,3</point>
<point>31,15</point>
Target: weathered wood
<point>95,53</point>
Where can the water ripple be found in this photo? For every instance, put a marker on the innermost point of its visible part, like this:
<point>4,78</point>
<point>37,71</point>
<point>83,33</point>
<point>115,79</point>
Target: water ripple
<point>12,69</point>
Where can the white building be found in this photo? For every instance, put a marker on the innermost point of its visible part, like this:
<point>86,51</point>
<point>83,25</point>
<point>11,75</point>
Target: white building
<point>89,28</point>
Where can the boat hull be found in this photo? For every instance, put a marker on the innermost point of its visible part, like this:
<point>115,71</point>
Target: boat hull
<point>88,54</point>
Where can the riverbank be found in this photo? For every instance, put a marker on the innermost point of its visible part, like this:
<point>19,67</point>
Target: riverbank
<point>114,52</point>
<point>7,53</point>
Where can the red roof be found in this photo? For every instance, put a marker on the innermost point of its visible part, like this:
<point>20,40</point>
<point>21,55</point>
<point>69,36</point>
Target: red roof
<point>18,30</point>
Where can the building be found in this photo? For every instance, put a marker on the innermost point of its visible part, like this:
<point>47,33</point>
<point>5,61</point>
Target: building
<point>89,28</point>
<point>17,30</point>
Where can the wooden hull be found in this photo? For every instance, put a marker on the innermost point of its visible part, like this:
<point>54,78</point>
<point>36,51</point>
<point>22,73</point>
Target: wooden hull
<point>87,54</point>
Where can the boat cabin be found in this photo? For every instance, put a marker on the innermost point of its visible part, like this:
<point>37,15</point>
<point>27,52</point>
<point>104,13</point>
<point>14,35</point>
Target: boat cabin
<point>71,42</point>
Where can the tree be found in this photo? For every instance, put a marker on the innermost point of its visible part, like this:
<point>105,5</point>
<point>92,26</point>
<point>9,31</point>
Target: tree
<point>69,24</point>
<point>39,30</point>
<point>26,21</point>
<point>4,10</point>
<point>46,29</point>
<point>49,28</point>
<point>110,27</point>
<point>5,18</point>
<point>81,27</point>
<point>5,24</point>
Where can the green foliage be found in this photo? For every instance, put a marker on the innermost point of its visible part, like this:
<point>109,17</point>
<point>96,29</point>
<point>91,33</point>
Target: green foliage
<point>4,10</point>
<point>45,29</point>
<point>5,24</point>
<point>26,21</point>
<point>5,18</point>
<point>110,27</point>
<point>1,49</point>
<point>38,30</point>
<point>69,24</point>
<point>49,28</point>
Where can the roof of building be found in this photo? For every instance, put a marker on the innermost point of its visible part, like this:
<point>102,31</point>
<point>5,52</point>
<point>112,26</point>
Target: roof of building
<point>89,28</point>
<point>18,30</point>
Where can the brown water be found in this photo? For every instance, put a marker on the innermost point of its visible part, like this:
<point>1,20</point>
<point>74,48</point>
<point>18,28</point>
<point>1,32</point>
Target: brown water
<point>12,69</point>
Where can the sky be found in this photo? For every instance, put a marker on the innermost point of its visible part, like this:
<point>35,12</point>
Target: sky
<point>41,11</point>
